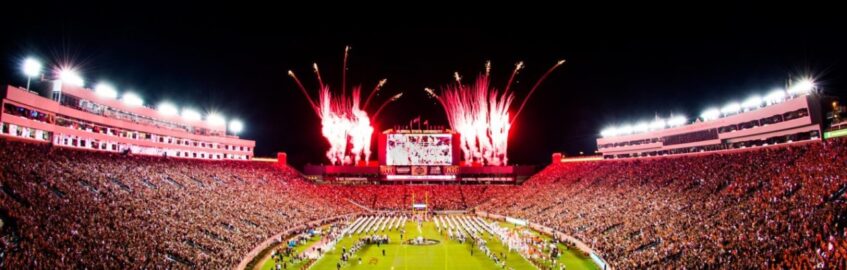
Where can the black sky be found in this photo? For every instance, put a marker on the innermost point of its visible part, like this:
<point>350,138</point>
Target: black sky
<point>622,66</point>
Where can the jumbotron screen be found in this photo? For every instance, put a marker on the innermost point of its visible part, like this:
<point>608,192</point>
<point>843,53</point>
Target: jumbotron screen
<point>419,149</point>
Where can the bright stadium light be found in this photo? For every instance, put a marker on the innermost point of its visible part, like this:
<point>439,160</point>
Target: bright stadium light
<point>132,99</point>
<point>802,87</point>
<point>752,103</point>
<point>677,121</point>
<point>609,132</point>
<point>775,96</point>
<point>168,109</point>
<point>641,127</point>
<point>31,68</point>
<point>658,124</point>
<point>236,126</point>
<point>105,90</point>
<point>624,130</point>
<point>215,119</point>
<point>191,115</point>
<point>71,77</point>
<point>731,108</point>
<point>710,114</point>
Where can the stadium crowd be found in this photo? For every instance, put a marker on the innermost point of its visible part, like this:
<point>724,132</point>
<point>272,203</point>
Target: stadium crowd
<point>776,207</point>
<point>401,197</point>
<point>79,209</point>
<point>772,208</point>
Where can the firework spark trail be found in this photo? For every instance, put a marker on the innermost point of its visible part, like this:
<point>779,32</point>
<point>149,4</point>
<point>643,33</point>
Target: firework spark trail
<point>392,99</point>
<point>344,120</point>
<point>373,93</point>
<point>480,114</point>
<point>344,72</point>
<point>318,75</point>
<point>537,83</point>
<point>305,93</point>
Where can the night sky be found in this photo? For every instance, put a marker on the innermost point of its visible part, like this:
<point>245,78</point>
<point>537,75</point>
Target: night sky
<point>622,66</point>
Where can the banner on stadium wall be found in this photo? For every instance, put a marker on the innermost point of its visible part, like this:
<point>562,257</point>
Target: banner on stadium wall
<point>516,221</point>
<point>833,134</point>
<point>403,170</point>
<point>419,170</point>
<point>386,170</point>
<point>489,179</point>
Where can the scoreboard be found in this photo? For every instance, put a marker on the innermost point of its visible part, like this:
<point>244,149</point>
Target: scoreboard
<point>419,154</point>
<point>419,149</point>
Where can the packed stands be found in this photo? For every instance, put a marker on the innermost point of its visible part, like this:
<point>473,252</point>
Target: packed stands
<point>82,209</point>
<point>401,197</point>
<point>776,207</point>
<point>771,207</point>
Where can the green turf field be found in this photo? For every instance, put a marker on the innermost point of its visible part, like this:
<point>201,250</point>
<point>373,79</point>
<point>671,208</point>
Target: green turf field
<point>448,254</point>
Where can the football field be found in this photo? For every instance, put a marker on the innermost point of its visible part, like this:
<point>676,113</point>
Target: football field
<point>446,254</point>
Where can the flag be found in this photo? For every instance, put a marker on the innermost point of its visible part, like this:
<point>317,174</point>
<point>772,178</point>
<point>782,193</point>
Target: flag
<point>416,120</point>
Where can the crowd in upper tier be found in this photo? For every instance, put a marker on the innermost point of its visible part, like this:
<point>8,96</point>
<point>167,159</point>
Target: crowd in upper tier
<point>401,197</point>
<point>79,209</point>
<point>772,208</point>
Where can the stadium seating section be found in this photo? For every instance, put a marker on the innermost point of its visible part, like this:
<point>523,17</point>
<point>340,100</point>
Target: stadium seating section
<point>777,207</point>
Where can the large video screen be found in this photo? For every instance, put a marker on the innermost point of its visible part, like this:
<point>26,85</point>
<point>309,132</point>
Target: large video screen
<point>419,149</point>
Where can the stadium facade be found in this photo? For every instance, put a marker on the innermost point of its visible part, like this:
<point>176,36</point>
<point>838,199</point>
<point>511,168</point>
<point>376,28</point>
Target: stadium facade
<point>76,117</point>
<point>798,118</point>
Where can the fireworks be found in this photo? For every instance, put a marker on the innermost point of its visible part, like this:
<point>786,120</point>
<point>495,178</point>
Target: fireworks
<point>480,114</point>
<point>344,120</point>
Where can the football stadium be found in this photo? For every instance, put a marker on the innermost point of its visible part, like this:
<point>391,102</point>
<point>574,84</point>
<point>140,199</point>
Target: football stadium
<point>490,163</point>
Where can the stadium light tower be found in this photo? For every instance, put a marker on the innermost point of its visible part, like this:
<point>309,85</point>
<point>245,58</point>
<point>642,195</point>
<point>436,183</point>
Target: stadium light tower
<point>236,126</point>
<point>168,109</point>
<point>710,114</point>
<point>802,87</point>
<point>731,108</point>
<point>190,114</point>
<point>106,90</point>
<point>608,132</point>
<point>641,127</point>
<point>775,96</point>
<point>677,121</point>
<point>70,76</point>
<point>625,130</point>
<point>752,103</point>
<point>216,119</point>
<point>658,124</point>
<point>31,68</point>
<point>132,99</point>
